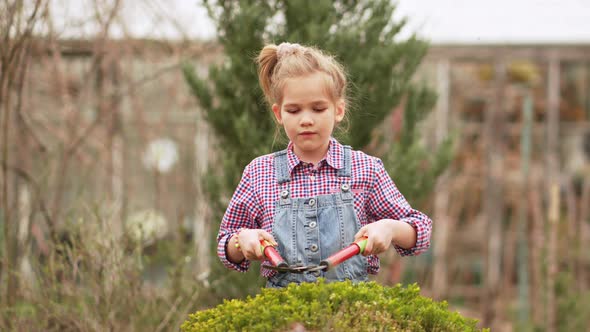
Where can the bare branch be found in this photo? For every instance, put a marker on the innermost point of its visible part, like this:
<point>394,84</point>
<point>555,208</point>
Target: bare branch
<point>158,13</point>
<point>20,89</point>
<point>37,189</point>
<point>18,45</point>
<point>10,15</point>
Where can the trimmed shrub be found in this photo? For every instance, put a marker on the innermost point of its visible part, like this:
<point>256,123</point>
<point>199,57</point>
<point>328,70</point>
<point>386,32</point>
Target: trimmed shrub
<point>334,306</point>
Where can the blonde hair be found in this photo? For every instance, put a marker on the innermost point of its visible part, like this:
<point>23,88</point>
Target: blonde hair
<point>276,64</point>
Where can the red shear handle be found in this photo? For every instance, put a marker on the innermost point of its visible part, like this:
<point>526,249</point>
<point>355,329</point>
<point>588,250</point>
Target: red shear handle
<point>352,250</point>
<point>272,254</point>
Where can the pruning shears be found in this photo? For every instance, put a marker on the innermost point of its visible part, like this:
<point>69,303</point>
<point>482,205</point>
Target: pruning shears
<point>280,265</point>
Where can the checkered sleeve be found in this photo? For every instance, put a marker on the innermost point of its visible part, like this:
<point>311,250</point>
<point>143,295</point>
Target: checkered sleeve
<point>386,202</point>
<point>241,212</point>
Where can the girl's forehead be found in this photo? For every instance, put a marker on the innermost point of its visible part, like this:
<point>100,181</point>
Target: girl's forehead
<point>310,88</point>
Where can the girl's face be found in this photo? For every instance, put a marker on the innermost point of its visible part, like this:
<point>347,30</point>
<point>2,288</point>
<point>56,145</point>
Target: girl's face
<point>308,115</point>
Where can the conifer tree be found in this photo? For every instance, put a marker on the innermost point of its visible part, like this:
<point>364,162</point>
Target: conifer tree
<point>364,38</point>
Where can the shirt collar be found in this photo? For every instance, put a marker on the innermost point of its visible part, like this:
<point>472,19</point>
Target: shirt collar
<point>334,156</point>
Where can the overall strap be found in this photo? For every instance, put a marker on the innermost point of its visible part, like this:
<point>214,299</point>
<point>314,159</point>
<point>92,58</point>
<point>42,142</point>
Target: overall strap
<point>282,171</point>
<point>282,166</point>
<point>346,170</point>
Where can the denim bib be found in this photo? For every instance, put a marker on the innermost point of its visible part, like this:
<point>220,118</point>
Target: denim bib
<point>309,230</point>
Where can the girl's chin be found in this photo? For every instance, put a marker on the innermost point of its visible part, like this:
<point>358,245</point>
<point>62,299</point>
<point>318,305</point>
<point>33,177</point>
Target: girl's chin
<point>311,145</point>
<point>310,149</point>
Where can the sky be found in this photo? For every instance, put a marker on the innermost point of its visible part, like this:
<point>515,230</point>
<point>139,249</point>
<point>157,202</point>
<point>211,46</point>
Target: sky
<point>503,21</point>
<point>440,21</point>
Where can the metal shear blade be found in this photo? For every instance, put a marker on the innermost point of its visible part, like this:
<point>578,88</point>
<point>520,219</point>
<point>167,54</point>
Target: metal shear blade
<point>295,269</point>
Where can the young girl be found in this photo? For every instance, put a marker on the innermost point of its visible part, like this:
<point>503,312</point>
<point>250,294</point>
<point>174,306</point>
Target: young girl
<point>317,196</point>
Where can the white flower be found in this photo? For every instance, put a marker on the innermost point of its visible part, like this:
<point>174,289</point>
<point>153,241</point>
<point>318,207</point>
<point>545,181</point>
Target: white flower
<point>146,226</point>
<point>160,155</point>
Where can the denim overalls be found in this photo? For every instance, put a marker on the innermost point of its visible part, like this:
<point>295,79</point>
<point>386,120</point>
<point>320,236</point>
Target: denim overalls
<point>311,229</point>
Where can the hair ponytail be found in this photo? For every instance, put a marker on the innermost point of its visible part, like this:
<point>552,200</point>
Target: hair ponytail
<point>267,61</point>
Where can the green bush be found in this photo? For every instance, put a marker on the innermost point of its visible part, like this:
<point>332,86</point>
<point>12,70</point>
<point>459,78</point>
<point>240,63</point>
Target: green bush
<point>337,306</point>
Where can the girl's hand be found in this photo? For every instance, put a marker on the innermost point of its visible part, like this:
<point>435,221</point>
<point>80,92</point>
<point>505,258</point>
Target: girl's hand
<point>380,235</point>
<point>249,242</point>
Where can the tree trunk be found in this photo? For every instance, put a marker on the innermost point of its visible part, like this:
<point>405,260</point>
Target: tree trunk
<point>26,276</point>
<point>201,228</point>
<point>16,27</point>
<point>116,153</point>
<point>537,243</point>
<point>443,224</point>
<point>8,227</point>
<point>553,189</point>
<point>571,256</point>
<point>493,204</point>
<point>11,84</point>
<point>583,234</point>
<point>523,254</point>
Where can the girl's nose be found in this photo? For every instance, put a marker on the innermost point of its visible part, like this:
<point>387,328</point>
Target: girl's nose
<point>306,119</point>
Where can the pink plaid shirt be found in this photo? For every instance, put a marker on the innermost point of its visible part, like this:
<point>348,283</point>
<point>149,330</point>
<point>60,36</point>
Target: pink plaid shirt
<point>375,197</point>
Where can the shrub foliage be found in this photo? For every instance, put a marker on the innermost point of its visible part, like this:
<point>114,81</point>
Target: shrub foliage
<point>335,306</point>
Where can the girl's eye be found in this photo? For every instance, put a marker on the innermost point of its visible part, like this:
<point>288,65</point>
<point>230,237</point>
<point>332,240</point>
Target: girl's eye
<point>319,109</point>
<point>291,110</point>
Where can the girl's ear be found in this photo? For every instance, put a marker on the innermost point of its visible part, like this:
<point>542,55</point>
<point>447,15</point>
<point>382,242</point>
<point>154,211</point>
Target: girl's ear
<point>276,109</point>
<point>340,110</point>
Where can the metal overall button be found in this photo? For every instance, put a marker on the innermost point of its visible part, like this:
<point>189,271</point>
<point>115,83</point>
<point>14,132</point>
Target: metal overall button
<point>312,202</point>
<point>284,193</point>
<point>345,187</point>
<point>313,247</point>
<point>313,224</point>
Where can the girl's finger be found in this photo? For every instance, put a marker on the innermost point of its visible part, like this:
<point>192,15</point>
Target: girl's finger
<point>378,248</point>
<point>259,253</point>
<point>369,247</point>
<point>361,233</point>
<point>268,237</point>
<point>248,254</point>
<point>254,251</point>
